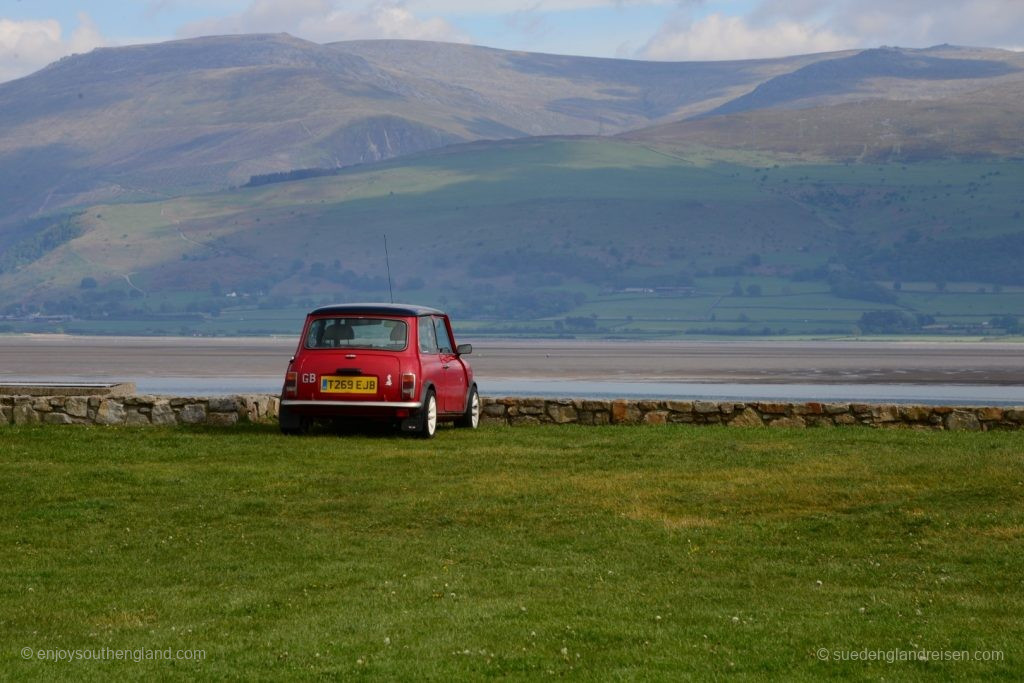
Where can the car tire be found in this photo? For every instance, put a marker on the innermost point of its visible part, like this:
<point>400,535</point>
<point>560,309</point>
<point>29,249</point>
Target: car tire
<point>292,424</point>
<point>427,417</point>
<point>471,418</point>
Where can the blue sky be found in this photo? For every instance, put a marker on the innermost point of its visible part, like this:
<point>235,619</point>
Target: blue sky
<point>35,32</point>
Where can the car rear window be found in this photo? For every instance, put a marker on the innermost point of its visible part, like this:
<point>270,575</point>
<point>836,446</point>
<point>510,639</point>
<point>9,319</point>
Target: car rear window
<point>357,333</point>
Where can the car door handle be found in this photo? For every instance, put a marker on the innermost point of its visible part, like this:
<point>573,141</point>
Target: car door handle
<point>444,367</point>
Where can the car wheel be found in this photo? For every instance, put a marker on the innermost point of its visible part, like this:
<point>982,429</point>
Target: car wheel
<point>292,424</point>
<point>471,418</point>
<point>428,417</point>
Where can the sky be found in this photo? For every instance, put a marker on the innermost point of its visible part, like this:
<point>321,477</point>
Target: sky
<point>34,33</point>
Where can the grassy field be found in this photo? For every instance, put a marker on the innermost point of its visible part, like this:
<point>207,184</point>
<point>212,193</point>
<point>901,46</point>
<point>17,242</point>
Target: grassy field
<point>594,553</point>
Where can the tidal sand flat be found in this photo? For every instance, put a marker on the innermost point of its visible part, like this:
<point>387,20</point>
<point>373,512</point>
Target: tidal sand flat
<point>787,362</point>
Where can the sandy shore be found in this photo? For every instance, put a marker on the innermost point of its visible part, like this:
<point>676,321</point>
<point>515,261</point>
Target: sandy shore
<point>731,361</point>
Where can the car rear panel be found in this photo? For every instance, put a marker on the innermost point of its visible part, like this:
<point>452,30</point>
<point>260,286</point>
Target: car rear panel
<point>346,379</point>
<point>345,376</point>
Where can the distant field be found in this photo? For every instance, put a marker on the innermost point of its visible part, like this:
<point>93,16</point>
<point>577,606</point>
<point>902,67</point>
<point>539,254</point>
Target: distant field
<point>618,552</point>
<point>522,236</point>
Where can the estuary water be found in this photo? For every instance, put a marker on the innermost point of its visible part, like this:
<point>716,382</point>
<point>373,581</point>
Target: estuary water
<point>929,394</point>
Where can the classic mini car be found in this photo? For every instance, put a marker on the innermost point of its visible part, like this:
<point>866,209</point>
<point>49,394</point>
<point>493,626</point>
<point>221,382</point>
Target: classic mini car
<point>382,362</point>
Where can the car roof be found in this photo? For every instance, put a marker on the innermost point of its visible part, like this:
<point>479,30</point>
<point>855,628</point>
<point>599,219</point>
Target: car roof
<point>375,309</point>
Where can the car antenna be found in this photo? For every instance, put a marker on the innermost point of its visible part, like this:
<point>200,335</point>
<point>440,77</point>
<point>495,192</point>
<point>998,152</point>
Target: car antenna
<point>387,260</point>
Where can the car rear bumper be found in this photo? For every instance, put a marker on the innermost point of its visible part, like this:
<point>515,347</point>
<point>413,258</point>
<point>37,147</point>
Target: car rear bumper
<point>295,403</point>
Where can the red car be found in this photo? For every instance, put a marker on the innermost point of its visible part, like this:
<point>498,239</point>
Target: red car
<point>381,362</point>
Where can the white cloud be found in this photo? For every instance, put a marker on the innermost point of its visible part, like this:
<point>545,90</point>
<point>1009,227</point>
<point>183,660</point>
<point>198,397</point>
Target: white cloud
<point>785,27</point>
<point>918,23</point>
<point>464,7</point>
<point>718,36</point>
<point>26,46</point>
<point>511,6</point>
<point>907,23</point>
<point>328,20</point>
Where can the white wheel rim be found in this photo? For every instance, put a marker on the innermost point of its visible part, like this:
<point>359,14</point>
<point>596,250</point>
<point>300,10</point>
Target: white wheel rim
<point>431,415</point>
<point>474,415</point>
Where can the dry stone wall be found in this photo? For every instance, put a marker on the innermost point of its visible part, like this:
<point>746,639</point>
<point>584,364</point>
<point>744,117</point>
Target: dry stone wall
<point>137,410</point>
<point>230,410</point>
<point>525,411</point>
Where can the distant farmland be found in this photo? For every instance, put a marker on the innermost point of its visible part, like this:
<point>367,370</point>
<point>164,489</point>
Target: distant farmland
<point>591,238</point>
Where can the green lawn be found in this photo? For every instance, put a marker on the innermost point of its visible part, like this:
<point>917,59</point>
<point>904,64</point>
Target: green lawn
<point>597,553</point>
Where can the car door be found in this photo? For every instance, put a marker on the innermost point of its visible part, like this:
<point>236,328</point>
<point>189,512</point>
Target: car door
<point>454,393</point>
<point>430,359</point>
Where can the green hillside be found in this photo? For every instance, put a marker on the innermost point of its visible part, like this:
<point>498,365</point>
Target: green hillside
<point>561,236</point>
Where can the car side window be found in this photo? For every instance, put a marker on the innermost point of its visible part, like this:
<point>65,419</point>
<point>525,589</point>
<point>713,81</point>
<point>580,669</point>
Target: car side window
<point>428,343</point>
<point>444,342</point>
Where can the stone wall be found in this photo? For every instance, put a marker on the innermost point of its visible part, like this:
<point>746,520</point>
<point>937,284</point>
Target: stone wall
<point>230,410</point>
<point>137,410</point>
<point>525,411</point>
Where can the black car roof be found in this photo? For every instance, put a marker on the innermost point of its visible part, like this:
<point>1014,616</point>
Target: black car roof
<point>376,309</point>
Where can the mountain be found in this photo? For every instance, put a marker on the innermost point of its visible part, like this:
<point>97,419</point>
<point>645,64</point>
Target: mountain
<point>740,189</point>
<point>987,123</point>
<point>544,94</point>
<point>886,73</point>
<point>886,104</point>
<point>149,121</point>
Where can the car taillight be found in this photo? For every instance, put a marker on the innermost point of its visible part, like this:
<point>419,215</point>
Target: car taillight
<point>291,383</point>
<point>408,385</point>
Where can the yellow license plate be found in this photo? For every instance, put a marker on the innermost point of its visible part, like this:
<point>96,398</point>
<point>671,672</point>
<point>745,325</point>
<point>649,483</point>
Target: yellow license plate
<point>348,385</point>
